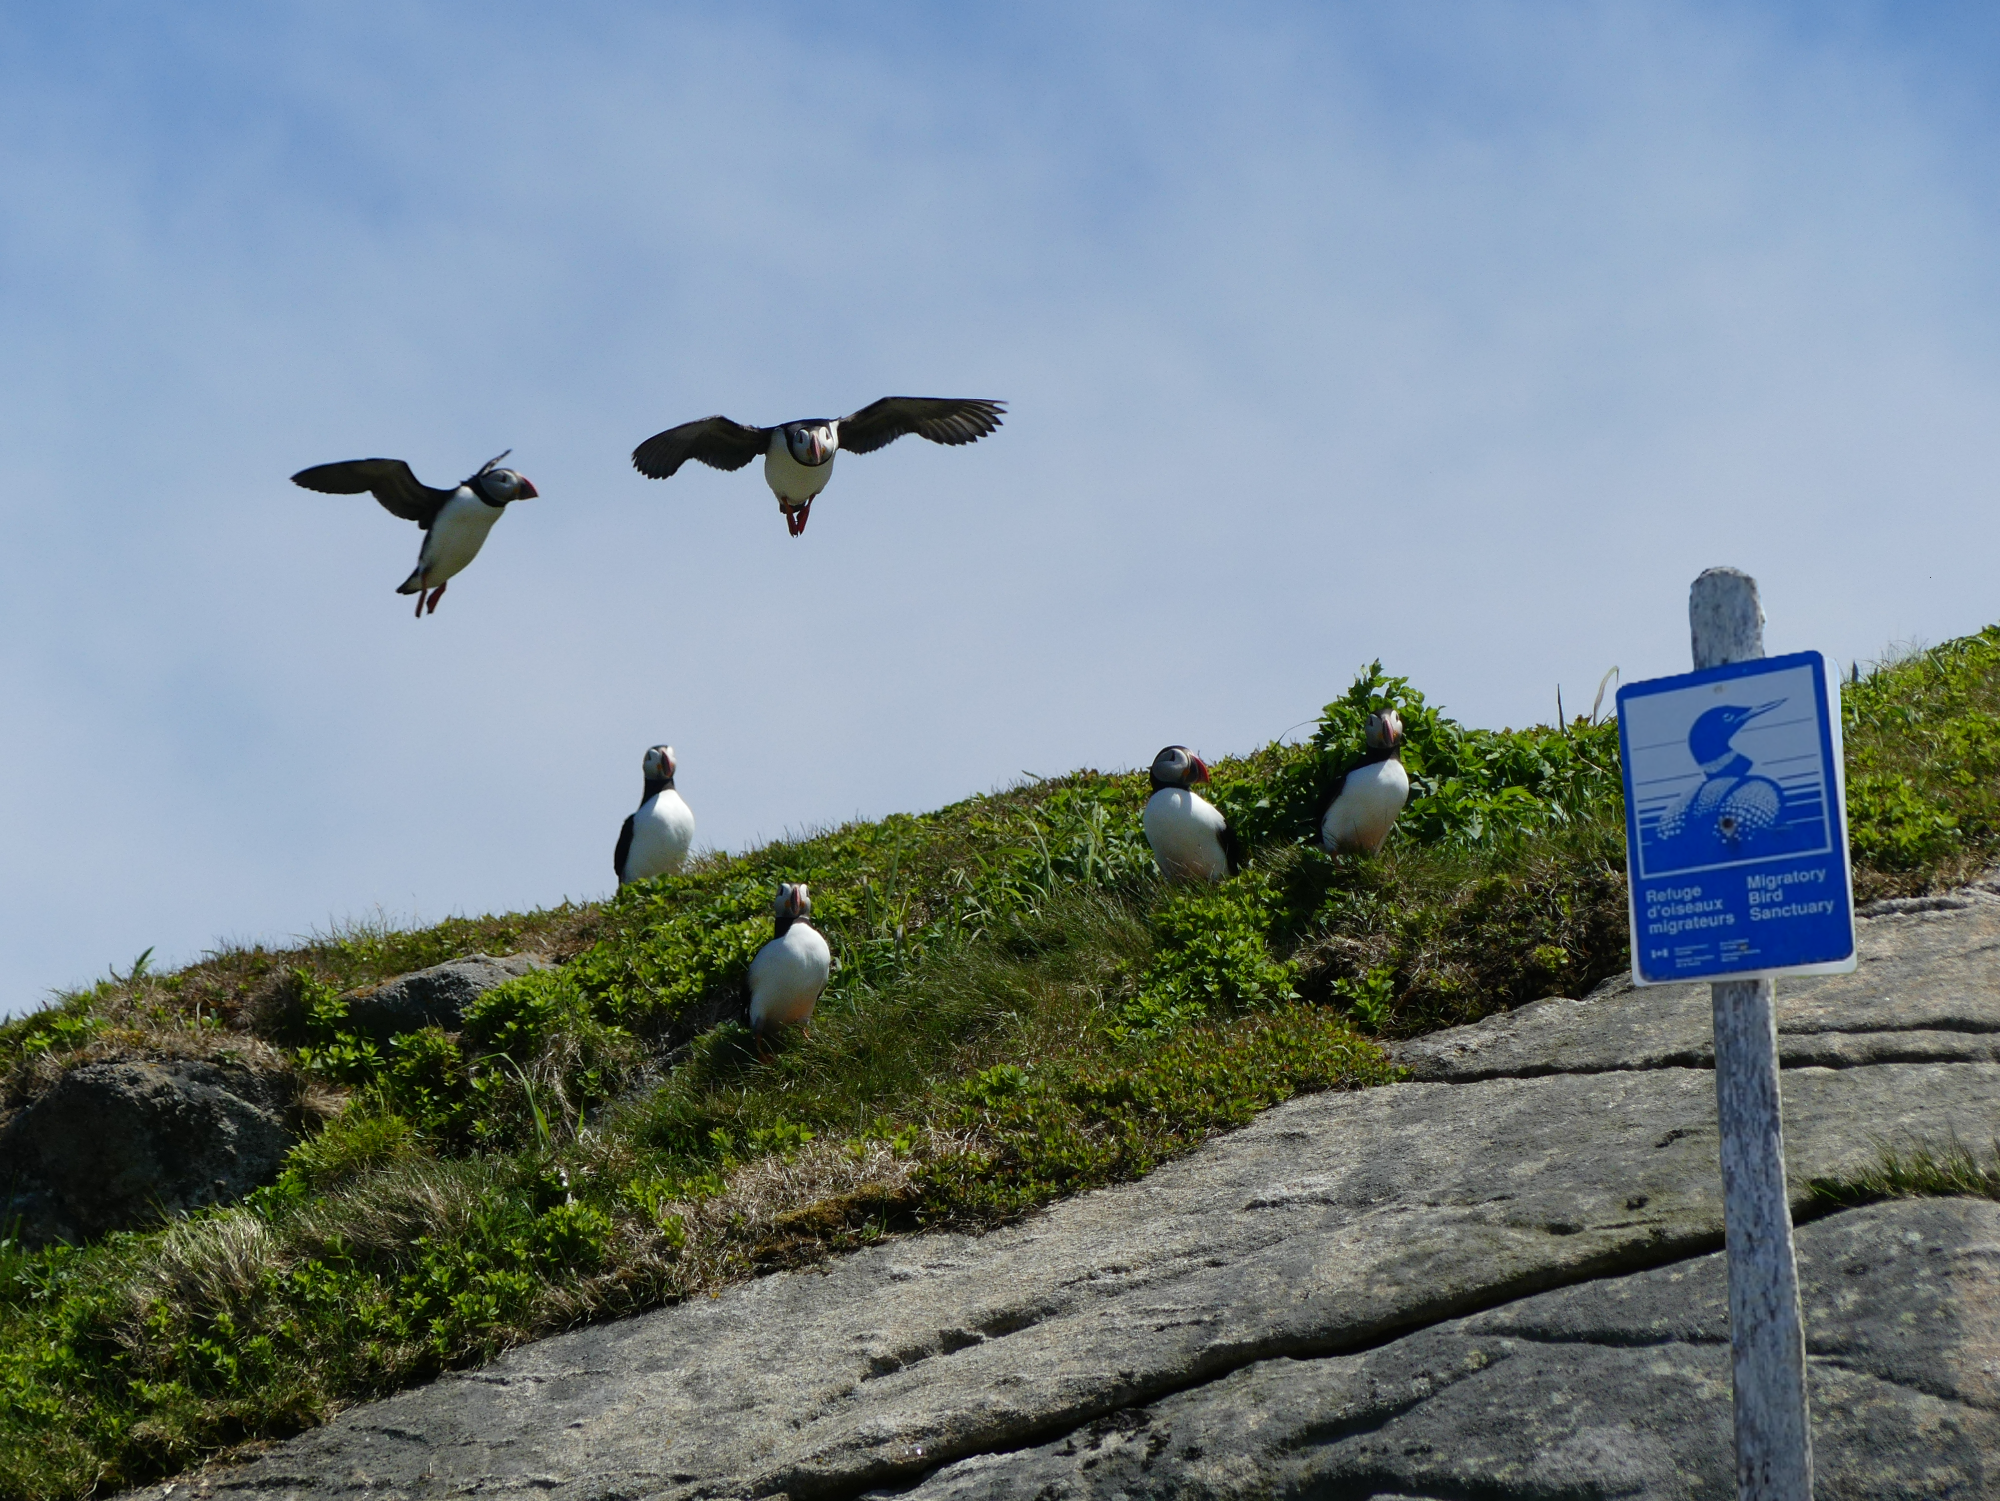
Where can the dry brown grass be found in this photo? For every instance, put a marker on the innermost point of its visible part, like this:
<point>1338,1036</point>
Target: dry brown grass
<point>781,1210</point>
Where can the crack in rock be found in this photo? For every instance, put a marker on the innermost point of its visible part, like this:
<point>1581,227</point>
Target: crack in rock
<point>1619,1388</point>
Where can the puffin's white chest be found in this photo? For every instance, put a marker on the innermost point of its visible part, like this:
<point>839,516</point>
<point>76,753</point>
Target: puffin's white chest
<point>787,976</point>
<point>456,536</point>
<point>1185,831</point>
<point>788,478</point>
<point>662,835</point>
<point>1365,811</point>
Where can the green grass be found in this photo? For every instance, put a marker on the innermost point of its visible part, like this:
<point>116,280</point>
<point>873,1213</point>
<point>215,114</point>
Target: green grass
<point>1020,1011</point>
<point>1923,1171</point>
<point>1923,767</point>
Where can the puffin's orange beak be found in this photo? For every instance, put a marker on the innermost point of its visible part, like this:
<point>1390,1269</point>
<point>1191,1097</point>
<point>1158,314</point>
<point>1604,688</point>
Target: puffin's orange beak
<point>528,490</point>
<point>1200,769</point>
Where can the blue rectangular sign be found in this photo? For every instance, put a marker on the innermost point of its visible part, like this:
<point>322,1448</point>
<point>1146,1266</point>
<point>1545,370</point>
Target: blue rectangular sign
<point>1736,823</point>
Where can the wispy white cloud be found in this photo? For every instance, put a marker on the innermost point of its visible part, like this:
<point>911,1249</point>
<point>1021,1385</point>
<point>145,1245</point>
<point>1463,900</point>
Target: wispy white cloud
<point>1459,336</point>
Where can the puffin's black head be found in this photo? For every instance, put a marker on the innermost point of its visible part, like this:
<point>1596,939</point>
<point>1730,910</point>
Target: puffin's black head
<point>660,766</point>
<point>812,443</point>
<point>501,486</point>
<point>1177,766</point>
<point>794,905</point>
<point>1385,731</point>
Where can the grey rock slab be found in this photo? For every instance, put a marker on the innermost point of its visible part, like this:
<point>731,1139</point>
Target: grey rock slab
<point>116,1145</point>
<point>434,997</point>
<point>1618,1387</point>
<point>1924,992</point>
<point>1327,1225</point>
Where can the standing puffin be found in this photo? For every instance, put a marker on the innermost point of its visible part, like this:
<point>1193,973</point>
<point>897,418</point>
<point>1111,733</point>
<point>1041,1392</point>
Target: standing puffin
<point>656,839</point>
<point>1190,838</point>
<point>455,522</point>
<point>790,971</point>
<point>798,456</point>
<point>1370,793</point>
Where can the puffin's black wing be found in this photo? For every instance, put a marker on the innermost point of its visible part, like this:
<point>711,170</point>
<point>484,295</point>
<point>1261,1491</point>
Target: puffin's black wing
<point>716,441</point>
<point>1333,794</point>
<point>1366,758</point>
<point>942,419</point>
<point>1232,848</point>
<point>388,480</point>
<point>624,849</point>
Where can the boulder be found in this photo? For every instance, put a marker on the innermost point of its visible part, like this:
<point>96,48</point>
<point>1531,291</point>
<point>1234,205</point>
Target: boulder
<point>434,997</point>
<point>120,1144</point>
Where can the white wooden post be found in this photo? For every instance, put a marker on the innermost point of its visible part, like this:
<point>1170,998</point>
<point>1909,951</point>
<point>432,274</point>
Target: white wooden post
<point>1766,1330</point>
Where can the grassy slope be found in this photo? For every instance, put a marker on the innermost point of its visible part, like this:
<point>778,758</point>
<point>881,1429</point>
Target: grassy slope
<point>1020,1011</point>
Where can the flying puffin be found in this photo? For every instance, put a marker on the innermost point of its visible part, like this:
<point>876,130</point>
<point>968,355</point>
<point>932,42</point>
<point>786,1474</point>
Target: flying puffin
<point>656,839</point>
<point>1190,838</point>
<point>1729,801</point>
<point>1371,792</point>
<point>455,522</point>
<point>790,971</point>
<point>798,456</point>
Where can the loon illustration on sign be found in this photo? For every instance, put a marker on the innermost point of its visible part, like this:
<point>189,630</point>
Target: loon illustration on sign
<point>1736,823</point>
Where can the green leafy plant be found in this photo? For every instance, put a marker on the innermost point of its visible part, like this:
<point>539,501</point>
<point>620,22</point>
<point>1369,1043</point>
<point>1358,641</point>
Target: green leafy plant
<point>1369,996</point>
<point>1923,766</point>
<point>1470,786</point>
<point>1212,952</point>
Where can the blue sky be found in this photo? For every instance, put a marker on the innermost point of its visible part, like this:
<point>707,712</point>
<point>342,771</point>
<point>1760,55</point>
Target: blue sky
<point>1458,335</point>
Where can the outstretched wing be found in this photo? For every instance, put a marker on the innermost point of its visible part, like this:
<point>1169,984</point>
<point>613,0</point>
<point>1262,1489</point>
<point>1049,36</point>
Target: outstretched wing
<point>624,848</point>
<point>388,480</point>
<point>716,441</point>
<point>942,419</point>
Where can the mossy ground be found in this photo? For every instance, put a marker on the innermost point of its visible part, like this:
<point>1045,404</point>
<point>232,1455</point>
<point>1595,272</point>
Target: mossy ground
<point>1020,1011</point>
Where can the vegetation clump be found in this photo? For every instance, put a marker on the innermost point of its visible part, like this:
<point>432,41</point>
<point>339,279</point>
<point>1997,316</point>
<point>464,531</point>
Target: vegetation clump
<point>1920,1171</point>
<point>1923,767</point>
<point>1020,1010</point>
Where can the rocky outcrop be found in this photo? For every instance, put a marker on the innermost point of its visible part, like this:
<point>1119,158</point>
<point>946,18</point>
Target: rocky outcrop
<point>119,1143</point>
<point>115,1145</point>
<point>434,997</point>
<point>1612,1388</point>
<point>1499,1280</point>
